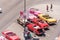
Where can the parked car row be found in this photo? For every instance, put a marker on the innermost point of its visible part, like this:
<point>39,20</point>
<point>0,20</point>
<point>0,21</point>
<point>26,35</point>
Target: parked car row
<point>42,16</point>
<point>38,22</point>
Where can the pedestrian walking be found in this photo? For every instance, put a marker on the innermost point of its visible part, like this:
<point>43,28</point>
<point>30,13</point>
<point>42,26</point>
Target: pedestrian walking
<point>26,29</point>
<point>29,36</point>
<point>25,33</point>
<point>21,13</point>
<point>51,7</point>
<point>47,8</point>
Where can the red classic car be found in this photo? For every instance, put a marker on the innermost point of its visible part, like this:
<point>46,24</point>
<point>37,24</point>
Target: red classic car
<point>35,28</point>
<point>10,35</point>
<point>42,24</point>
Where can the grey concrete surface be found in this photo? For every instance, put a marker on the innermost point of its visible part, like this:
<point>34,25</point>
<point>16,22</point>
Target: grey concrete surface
<point>15,10</point>
<point>11,10</point>
<point>8,5</point>
<point>4,14</point>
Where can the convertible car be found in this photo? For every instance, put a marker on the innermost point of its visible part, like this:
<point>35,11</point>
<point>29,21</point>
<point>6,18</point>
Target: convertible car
<point>47,18</point>
<point>35,28</point>
<point>10,35</point>
<point>39,22</point>
<point>34,11</point>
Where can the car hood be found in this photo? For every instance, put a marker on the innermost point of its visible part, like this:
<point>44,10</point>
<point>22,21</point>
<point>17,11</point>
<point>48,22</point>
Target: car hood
<point>43,24</point>
<point>51,20</point>
<point>14,37</point>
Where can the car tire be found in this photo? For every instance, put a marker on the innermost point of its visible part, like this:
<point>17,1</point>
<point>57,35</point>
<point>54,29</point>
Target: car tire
<point>47,22</point>
<point>43,35</point>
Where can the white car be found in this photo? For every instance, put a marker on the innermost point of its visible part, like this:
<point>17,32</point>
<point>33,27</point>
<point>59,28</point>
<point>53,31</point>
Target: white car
<point>2,38</point>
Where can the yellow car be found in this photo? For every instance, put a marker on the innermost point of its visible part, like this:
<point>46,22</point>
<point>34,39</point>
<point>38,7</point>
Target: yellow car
<point>47,18</point>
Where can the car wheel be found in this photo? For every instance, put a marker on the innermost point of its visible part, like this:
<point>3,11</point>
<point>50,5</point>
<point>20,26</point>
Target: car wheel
<point>47,22</point>
<point>44,35</point>
<point>46,28</point>
<point>0,12</point>
<point>18,21</point>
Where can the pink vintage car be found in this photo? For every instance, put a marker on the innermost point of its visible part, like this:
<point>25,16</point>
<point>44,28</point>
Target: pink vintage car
<point>34,11</point>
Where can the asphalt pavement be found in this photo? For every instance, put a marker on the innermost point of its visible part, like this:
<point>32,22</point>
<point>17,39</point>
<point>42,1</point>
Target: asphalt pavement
<point>51,34</point>
<point>11,9</point>
<point>7,6</point>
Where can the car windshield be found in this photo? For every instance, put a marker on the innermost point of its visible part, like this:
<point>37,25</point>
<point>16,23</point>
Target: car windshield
<point>34,9</point>
<point>47,16</point>
<point>40,21</point>
<point>36,27</point>
<point>40,30</point>
<point>11,34</point>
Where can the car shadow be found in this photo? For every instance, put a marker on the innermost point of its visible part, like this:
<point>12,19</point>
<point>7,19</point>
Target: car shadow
<point>41,35</point>
<point>46,29</point>
<point>52,24</point>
